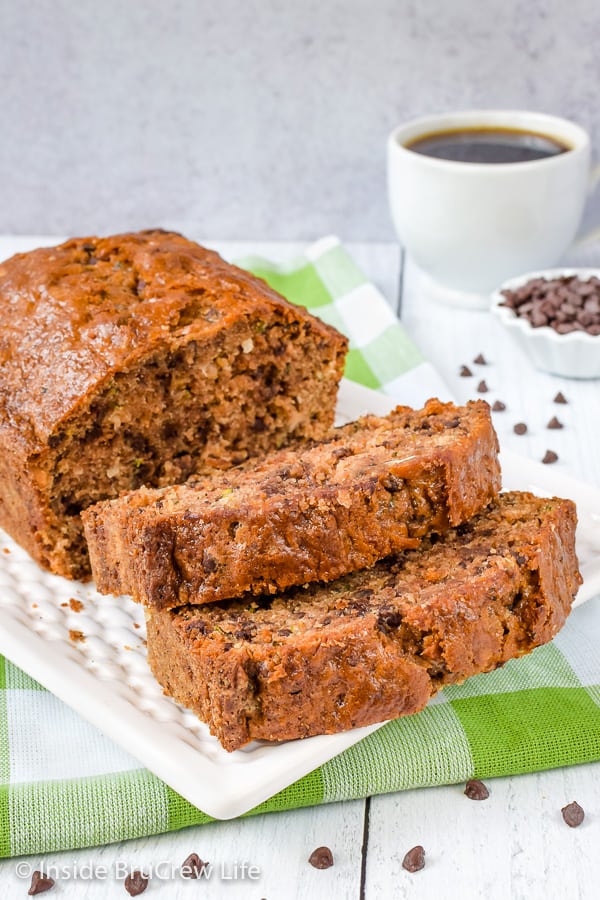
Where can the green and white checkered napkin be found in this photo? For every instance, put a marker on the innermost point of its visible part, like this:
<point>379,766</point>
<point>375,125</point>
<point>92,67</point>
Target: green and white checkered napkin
<point>64,785</point>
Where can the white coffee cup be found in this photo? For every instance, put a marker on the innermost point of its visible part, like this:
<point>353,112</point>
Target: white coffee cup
<point>471,226</point>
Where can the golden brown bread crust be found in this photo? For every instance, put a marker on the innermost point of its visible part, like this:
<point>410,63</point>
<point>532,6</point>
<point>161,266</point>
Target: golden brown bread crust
<point>379,643</point>
<point>94,305</point>
<point>142,358</point>
<point>308,514</point>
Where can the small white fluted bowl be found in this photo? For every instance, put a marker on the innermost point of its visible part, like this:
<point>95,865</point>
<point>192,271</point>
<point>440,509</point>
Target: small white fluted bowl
<point>573,355</point>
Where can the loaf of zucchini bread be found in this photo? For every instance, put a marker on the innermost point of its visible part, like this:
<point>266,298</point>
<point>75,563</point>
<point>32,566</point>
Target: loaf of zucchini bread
<point>379,643</point>
<point>142,359</point>
<point>377,486</point>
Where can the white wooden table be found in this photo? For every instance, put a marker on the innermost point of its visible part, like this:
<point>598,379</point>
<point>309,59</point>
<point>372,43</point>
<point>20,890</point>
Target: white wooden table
<point>514,845</point>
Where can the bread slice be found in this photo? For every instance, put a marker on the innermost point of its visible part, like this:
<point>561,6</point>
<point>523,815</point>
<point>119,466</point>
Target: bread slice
<point>376,644</point>
<point>142,359</point>
<point>379,485</point>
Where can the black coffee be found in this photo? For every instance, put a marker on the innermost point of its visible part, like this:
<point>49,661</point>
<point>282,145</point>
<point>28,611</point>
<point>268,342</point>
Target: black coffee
<point>487,145</point>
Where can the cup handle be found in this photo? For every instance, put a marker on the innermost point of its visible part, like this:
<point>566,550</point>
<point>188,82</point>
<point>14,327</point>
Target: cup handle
<point>594,234</point>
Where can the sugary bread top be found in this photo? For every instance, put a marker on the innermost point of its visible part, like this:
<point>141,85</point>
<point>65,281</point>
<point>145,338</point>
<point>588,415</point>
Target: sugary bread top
<point>75,314</point>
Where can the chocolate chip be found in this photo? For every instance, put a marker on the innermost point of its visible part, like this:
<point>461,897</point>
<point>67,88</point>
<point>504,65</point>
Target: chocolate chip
<point>573,814</point>
<point>480,360</point>
<point>135,883</point>
<point>55,439</point>
<point>392,483</point>
<point>40,883</point>
<point>246,632</point>
<point>388,618</point>
<point>193,866</point>
<point>520,428</point>
<point>476,790</point>
<point>567,327</point>
<point>414,859</point>
<point>482,388</point>
<point>321,858</point>
<point>550,457</point>
<point>566,304</point>
<point>200,627</point>
<point>465,528</point>
<point>339,453</point>
<point>465,372</point>
<point>209,563</point>
<point>560,398</point>
<point>554,423</point>
<point>538,318</point>
<point>498,406</point>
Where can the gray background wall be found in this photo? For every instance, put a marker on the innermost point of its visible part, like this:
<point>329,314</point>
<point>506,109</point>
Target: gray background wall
<point>242,118</point>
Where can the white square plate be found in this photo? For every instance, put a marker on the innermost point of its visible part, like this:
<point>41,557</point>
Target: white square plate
<point>106,678</point>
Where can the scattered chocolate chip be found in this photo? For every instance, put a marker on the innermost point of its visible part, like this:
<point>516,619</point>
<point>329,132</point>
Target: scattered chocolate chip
<point>414,859</point>
<point>135,883</point>
<point>321,858</point>
<point>465,372</point>
<point>560,398</point>
<point>40,883</point>
<point>476,790</point>
<point>480,360</point>
<point>550,457</point>
<point>193,866</point>
<point>482,388</point>
<point>573,814</point>
<point>520,428</point>
<point>498,406</point>
<point>554,423</point>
